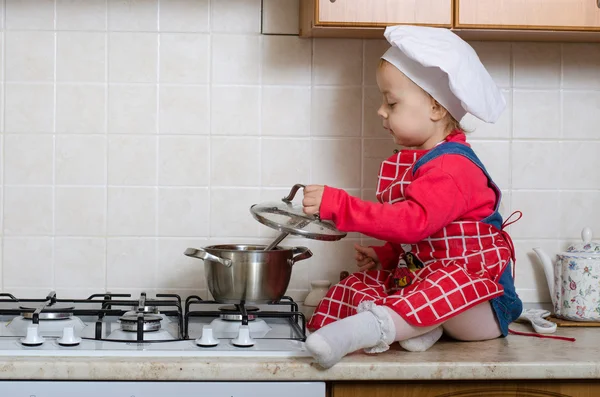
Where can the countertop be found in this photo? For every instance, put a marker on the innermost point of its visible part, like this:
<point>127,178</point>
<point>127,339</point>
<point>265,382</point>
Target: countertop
<point>514,357</point>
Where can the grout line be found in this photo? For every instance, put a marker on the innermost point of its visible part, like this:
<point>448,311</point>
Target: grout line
<point>210,120</point>
<point>157,150</point>
<point>3,115</point>
<point>106,145</point>
<point>54,137</point>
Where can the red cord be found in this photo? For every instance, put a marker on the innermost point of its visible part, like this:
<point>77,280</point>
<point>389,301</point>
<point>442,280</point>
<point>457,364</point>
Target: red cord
<point>510,331</point>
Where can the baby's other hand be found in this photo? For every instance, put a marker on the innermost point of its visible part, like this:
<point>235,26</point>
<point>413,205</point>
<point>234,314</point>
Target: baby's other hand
<point>366,258</point>
<point>313,195</point>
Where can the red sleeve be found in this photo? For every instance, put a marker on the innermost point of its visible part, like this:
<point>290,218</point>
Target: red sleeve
<point>441,192</point>
<point>388,255</point>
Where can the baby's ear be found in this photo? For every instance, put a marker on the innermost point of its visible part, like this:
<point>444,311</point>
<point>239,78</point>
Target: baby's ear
<point>438,112</point>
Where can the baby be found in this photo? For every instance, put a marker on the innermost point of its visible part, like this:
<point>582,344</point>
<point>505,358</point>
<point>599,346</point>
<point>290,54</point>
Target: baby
<point>444,267</point>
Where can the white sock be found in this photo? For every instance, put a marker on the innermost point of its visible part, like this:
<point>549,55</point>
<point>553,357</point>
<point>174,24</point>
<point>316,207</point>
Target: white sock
<point>363,330</point>
<point>422,342</point>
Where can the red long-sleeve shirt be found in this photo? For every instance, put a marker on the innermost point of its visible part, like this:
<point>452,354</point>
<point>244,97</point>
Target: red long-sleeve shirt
<point>443,190</point>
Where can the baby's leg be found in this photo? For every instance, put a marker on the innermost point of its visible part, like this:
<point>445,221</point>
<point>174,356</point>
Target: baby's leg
<point>462,326</point>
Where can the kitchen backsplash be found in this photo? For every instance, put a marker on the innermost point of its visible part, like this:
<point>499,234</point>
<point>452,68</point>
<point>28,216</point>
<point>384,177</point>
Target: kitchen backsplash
<point>132,130</point>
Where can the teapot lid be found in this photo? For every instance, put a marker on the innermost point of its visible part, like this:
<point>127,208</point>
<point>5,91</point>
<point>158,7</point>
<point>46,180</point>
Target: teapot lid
<point>587,246</point>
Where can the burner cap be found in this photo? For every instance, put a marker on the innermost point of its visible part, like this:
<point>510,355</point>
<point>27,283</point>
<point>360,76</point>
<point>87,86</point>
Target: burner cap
<point>151,322</point>
<point>232,313</point>
<point>57,311</point>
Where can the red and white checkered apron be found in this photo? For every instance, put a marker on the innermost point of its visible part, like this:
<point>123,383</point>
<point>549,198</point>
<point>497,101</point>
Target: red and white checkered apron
<point>437,278</point>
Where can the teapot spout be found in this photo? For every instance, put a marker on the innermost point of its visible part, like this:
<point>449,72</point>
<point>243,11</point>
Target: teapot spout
<point>548,269</point>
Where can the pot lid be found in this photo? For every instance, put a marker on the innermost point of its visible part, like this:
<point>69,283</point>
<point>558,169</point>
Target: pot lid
<point>587,246</point>
<point>290,218</point>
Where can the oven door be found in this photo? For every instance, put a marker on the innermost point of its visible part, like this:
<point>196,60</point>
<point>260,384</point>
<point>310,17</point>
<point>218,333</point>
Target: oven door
<point>160,389</point>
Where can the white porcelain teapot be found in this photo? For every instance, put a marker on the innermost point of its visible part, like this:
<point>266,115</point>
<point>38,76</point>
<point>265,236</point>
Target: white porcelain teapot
<point>574,279</point>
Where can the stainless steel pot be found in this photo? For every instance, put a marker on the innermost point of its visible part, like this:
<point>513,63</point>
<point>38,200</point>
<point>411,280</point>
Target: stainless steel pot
<point>236,273</point>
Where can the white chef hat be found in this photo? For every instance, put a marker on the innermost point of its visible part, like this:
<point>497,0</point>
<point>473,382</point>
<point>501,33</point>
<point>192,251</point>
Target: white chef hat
<point>447,68</point>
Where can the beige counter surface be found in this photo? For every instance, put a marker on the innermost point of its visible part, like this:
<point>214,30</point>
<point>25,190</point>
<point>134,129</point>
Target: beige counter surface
<point>515,357</point>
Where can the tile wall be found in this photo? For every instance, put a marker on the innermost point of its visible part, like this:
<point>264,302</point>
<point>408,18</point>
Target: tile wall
<point>132,130</point>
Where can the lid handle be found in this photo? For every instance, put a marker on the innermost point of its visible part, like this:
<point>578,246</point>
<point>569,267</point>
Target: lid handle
<point>586,235</point>
<point>288,199</point>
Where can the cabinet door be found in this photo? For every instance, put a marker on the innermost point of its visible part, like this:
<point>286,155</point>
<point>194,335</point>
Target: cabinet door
<point>370,13</point>
<point>578,15</point>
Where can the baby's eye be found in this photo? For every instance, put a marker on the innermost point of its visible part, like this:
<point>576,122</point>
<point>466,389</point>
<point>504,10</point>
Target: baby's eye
<point>392,104</point>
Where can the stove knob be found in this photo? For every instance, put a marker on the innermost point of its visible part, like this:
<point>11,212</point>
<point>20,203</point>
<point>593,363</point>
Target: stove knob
<point>243,339</point>
<point>69,338</point>
<point>33,338</point>
<point>207,339</point>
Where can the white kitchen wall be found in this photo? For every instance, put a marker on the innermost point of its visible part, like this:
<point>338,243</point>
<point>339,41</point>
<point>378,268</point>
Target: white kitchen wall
<point>132,130</point>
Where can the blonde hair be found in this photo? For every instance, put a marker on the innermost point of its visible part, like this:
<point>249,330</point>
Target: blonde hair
<point>451,123</point>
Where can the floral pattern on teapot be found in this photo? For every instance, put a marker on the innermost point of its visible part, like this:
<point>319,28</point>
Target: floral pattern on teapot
<point>579,291</point>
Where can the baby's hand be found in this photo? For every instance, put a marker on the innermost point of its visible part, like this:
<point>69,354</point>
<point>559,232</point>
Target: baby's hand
<point>366,258</point>
<point>313,194</point>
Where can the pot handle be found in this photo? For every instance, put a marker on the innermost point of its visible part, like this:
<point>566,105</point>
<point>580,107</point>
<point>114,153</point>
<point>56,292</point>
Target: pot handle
<point>200,253</point>
<point>303,253</point>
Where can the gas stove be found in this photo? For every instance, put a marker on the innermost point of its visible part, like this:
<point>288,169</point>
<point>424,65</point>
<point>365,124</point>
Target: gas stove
<point>108,324</point>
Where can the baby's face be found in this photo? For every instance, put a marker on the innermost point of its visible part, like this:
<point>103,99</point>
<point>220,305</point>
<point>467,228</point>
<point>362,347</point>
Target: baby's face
<point>406,110</point>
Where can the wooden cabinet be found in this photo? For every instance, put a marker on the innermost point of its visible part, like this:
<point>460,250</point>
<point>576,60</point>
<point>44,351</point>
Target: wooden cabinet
<point>574,15</point>
<point>554,388</point>
<point>536,20</point>
<point>367,18</point>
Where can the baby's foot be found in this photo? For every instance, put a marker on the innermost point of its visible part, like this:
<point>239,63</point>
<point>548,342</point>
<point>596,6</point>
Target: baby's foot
<point>332,342</point>
<point>422,342</point>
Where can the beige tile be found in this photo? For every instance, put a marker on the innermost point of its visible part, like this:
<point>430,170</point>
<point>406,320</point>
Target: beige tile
<point>285,111</point>
<point>235,16</point>
<point>230,215</point>
<point>535,164</point>
<point>184,58</point>
<point>336,111</point>
<point>131,211</point>
<point>495,156</point>
<point>29,108</point>
<point>244,171</point>
<point>284,162</point>
<point>184,110</point>
<point>29,14</point>
<point>184,16</point>
<point>81,14</point>
<point>81,56</point>
<point>132,57</point>
<point>183,212</point>
<point>536,114</point>
<point>580,114</point>
<point>29,56</point>
<point>130,263</point>
<point>80,160</point>
<point>133,15</point>
<point>280,16</point>
<point>286,60</point>
<point>132,160</point>
<point>542,214</point>
<point>374,49</point>
<point>132,109</point>
<point>581,66</point>
<point>372,122</point>
<point>579,165</point>
<point>537,65</point>
<point>337,62</point>
<point>183,161</point>
<point>27,262</point>
<point>27,211</point>
<point>28,159</point>
<point>235,110</point>
<point>334,162</point>
<point>176,270</point>
<point>501,129</point>
<point>530,272</point>
<point>80,108</point>
<point>235,59</point>
<point>80,211</point>
<point>496,59</point>
<point>80,262</point>
<point>579,209</point>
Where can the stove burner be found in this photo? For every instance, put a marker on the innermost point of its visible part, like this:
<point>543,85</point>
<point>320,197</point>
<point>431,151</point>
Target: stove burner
<point>51,312</point>
<point>232,313</point>
<point>129,322</point>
